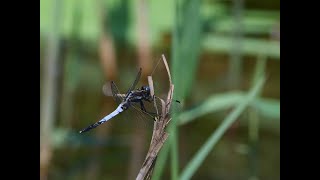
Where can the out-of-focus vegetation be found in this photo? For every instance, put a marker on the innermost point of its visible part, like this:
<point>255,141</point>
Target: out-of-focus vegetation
<point>225,62</point>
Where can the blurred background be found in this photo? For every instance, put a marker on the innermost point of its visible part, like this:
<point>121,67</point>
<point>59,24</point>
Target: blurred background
<point>224,58</point>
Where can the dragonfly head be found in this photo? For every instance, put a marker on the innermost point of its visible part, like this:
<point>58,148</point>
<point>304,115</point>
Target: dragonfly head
<point>146,88</point>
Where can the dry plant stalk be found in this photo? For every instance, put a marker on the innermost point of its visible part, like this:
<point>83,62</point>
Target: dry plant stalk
<point>159,136</point>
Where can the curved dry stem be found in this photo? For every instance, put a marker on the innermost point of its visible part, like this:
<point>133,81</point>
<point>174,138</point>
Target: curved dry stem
<point>159,136</point>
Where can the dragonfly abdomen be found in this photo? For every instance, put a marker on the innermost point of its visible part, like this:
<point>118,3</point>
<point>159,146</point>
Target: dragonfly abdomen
<point>119,109</point>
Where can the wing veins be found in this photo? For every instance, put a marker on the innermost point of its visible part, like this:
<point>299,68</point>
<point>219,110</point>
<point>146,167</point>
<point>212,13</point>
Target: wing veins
<point>135,82</point>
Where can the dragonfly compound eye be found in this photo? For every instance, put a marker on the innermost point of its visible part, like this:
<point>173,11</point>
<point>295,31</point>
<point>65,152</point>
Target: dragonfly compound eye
<point>146,88</point>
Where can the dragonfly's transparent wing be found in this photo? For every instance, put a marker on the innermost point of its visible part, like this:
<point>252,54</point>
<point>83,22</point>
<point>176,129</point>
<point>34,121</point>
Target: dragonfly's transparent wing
<point>141,118</point>
<point>135,81</point>
<point>154,108</point>
<point>149,114</point>
<point>116,93</point>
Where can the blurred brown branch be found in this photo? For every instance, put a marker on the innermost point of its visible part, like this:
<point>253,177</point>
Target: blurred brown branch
<point>107,57</point>
<point>144,52</point>
<point>106,43</point>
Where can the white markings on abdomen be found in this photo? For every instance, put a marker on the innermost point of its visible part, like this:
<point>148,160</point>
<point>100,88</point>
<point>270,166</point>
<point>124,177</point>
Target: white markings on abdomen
<point>105,119</point>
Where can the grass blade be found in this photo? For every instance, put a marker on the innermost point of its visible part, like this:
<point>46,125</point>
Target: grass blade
<point>266,107</point>
<point>174,149</point>
<point>212,104</point>
<point>253,124</point>
<point>213,139</point>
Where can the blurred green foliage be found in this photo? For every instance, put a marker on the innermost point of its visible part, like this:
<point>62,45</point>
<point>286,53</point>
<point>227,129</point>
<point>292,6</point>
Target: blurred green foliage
<point>214,18</point>
<point>197,29</point>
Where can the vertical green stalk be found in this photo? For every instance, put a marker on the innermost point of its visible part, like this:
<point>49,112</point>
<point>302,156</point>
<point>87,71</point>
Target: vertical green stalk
<point>173,131</point>
<point>161,161</point>
<point>253,142</point>
<point>186,37</point>
<point>253,126</point>
<point>235,59</point>
<point>260,67</point>
<point>174,149</point>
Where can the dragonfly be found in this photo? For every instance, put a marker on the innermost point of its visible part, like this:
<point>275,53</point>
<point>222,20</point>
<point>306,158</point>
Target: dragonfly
<point>134,98</point>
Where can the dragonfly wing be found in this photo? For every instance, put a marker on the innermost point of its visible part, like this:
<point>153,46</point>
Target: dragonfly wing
<point>149,115</point>
<point>116,93</point>
<point>135,81</point>
<point>140,118</point>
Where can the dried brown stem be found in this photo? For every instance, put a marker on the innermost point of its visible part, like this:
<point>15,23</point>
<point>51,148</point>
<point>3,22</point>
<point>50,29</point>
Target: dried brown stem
<point>159,136</point>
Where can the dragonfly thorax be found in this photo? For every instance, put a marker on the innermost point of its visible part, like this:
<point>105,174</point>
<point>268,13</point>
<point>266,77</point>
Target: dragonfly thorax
<point>140,94</point>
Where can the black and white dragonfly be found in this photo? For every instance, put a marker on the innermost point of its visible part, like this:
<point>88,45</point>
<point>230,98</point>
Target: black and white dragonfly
<point>134,98</point>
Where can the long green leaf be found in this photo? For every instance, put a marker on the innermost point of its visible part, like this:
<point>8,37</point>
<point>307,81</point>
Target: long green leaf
<point>176,55</point>
<point>269,108</point>
<point>185,52</point>
<point>194,164</point>
<point>254,119</point>
<point>251,46</point>
<point>212,104</point>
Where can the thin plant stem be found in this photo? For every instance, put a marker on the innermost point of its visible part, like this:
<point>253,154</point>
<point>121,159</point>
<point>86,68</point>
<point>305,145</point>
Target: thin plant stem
<point>195,163</point>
